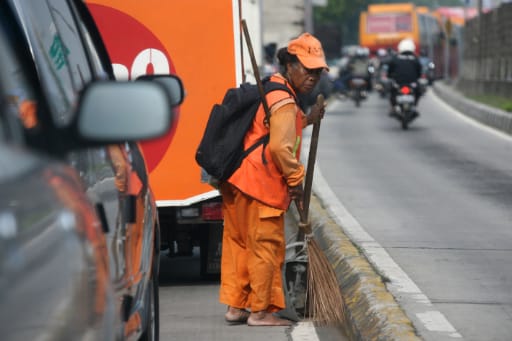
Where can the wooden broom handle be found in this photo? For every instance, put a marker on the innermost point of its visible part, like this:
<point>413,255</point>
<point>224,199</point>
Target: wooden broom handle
<point>256,72</point>
<point>308,182</point>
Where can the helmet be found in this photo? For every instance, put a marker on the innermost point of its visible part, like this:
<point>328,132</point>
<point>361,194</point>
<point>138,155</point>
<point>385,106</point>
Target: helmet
<point>382,52</point>
<point>406,45</point>
<point>360,52</point>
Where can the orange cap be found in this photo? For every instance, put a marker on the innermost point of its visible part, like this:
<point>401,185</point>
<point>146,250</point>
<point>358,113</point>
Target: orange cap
<point>309,51</point>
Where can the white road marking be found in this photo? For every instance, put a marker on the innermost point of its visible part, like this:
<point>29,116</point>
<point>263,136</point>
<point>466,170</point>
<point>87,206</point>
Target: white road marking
<point>304,331</point>
<point>435,321</point>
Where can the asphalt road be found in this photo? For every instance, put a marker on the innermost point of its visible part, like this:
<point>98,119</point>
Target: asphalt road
<point>437,198</point>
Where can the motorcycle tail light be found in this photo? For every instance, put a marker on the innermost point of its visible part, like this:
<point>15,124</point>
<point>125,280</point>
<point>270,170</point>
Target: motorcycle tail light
<point>405,90</point>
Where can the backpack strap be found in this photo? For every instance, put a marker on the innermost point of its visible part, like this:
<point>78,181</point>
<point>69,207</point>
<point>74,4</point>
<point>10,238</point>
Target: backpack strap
<point>262,140</point>
<point>270,85</point>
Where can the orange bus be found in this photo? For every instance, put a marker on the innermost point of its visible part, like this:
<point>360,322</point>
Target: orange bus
<point>384,25</point>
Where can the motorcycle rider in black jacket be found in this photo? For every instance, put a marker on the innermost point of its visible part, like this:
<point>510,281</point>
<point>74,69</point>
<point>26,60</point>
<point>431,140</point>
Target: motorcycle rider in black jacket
<point>405,69</point>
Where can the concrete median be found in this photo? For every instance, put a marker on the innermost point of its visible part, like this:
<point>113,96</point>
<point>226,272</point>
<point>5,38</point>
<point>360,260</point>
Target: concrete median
<point>493,117</point>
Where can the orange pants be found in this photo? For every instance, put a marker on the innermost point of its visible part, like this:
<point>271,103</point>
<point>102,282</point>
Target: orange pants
<point>253,251</point>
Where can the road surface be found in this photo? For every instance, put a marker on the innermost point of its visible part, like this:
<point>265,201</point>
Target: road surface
<point>437,199</point>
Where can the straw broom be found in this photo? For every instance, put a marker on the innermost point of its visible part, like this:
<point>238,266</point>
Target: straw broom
<point>325,302</point>
<point>324,299</point>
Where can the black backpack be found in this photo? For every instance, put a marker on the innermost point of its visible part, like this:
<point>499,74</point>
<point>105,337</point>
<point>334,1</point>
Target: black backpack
<point>221,150</point>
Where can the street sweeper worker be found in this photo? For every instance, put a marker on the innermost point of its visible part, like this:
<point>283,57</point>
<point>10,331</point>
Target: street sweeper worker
<point>257,195</point>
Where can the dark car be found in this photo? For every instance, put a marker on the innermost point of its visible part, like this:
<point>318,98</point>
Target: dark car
<point>78,226</point>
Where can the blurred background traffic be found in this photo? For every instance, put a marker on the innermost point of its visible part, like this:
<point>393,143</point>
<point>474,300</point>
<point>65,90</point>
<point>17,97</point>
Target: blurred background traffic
<point>465,42</point>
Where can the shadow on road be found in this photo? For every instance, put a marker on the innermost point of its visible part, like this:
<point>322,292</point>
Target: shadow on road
<point>181,270</point>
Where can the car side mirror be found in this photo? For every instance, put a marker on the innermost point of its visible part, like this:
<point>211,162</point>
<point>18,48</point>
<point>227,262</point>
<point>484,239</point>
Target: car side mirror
<point>117,111</point>
<point>172,83</point>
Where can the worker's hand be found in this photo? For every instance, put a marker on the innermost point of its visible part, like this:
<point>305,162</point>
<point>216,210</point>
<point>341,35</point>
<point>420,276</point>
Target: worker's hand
<point>317,111</point>
<point>297,194</point>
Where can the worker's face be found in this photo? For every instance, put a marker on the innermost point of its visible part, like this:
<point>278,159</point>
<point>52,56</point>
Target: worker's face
<point>302,79</point>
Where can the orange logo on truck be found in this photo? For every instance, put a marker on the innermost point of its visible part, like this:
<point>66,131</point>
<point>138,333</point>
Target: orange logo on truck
<point>144,54</point>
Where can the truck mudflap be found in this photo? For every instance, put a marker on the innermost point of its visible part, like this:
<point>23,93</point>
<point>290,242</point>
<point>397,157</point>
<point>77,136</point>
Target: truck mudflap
<point>211,251</point>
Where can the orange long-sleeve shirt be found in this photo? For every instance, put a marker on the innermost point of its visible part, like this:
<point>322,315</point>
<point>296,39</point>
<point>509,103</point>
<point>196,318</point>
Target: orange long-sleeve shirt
<point>266,173</point>
<point>284,141</point>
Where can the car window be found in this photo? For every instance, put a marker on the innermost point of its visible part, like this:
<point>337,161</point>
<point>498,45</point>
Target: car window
<point>18,104</point>
<point>98,56</point>
<point>96,62</point>
<point>56,43</point>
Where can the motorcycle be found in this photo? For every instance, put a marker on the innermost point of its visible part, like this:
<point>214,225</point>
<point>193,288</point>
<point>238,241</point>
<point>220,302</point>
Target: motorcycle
<point>423,84</point>
<point>405,108</point>
<point>428,69</point>
<point>357,90</point>
<point>383,83</point>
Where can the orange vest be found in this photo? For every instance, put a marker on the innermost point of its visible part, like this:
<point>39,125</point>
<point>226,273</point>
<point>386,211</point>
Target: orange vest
<point>264,181</point>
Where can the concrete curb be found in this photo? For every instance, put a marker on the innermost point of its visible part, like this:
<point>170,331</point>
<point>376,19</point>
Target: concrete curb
<point>493,117</point>
<point>371,311</point>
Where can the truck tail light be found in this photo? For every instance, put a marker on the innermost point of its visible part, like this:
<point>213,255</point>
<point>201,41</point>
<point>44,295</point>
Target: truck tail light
<point>212,211</point>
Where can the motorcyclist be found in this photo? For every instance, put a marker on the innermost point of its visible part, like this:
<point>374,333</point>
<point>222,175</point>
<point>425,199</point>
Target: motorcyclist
<point>384,57</point>
<point>427,66</point>
<point>358,66</point>
<point>405,69</point>
<point>382,82</point>
<point>341,83</point>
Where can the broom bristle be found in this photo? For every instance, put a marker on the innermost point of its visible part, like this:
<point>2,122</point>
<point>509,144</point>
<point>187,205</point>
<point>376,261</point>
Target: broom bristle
<point>325,302</point>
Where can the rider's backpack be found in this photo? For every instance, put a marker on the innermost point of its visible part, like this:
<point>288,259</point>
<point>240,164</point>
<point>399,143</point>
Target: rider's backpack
<point>221,150</point>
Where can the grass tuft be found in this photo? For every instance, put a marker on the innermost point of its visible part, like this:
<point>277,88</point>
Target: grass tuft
<point>499,102</point>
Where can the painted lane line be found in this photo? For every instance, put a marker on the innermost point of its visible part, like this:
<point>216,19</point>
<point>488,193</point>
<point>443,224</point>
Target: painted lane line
<point>304,331</point>
<point>435,321</point>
